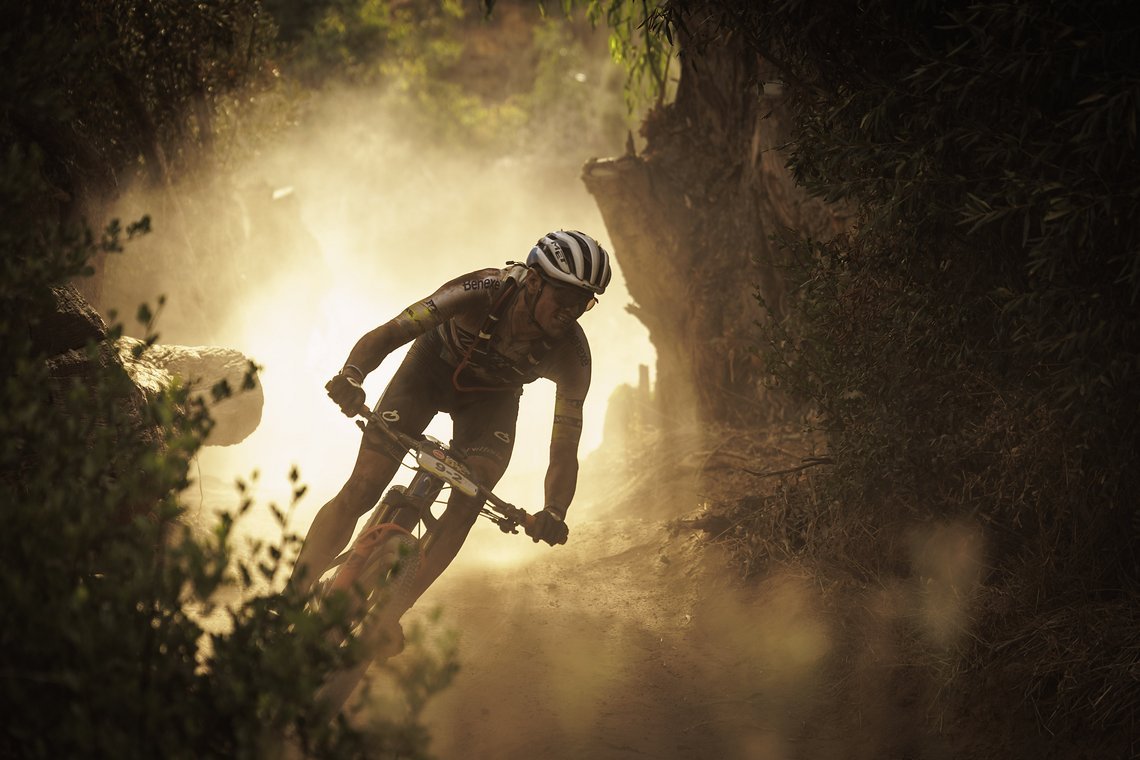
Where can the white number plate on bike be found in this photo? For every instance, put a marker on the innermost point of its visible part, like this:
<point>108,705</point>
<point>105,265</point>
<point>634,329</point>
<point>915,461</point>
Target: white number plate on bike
<point>430,461</point>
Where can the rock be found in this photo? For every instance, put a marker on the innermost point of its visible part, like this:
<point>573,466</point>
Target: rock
<point>73,324</point>
<point>202,368</point>
<point>66,332</point>
<point>82,367</point>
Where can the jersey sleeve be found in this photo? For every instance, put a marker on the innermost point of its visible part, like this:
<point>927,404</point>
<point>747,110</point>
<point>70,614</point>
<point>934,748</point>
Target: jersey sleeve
<point>471,292</point>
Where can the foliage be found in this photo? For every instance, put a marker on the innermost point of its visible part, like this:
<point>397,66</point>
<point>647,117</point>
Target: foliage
<point>971,344</point>
<point>126,634</point>
<point>487,80</point>
<point>411,48</point>
<point>983,307</point>
<point>640,40</point>
<point>107,89</point>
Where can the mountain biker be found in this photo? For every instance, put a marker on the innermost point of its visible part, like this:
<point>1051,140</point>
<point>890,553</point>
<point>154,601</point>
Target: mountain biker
<point>477,340</point>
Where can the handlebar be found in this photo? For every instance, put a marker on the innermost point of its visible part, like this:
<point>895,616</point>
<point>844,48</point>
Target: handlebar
<point>455,473</point>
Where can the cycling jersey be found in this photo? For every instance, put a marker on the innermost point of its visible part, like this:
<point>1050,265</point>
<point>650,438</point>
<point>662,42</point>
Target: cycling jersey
<point>482,396</point>
<point>458,313</point>
<point>483,424</point>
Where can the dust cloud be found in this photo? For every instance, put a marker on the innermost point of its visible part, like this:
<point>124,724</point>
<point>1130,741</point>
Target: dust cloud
<point>344,221</point>
<point>631,639</point>
<point>638,640</point>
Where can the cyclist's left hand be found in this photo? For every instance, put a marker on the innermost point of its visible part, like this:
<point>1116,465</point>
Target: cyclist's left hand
<point>549,528</point>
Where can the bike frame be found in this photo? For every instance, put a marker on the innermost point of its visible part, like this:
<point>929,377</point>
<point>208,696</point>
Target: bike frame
<point>404,508</point>
<point>376,572</point>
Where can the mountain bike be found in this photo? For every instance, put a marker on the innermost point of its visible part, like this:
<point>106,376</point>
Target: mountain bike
<point>377,573</point>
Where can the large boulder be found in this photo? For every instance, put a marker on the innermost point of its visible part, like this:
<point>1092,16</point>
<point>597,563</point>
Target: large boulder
<point>206,370</point>
<point>65,335</point>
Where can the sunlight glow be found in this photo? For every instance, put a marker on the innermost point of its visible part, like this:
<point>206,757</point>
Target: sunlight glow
<point>388,226</point>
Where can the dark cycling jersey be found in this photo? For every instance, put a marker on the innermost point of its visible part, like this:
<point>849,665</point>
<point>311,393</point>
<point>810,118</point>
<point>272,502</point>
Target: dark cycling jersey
<point>483,397</point>
<point>460,309</point>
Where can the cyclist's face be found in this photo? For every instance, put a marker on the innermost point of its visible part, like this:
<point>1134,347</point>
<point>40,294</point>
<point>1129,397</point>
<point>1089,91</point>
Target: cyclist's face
<point>559,306</point>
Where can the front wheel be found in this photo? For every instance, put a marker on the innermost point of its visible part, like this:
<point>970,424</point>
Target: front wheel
<point>383,592</point>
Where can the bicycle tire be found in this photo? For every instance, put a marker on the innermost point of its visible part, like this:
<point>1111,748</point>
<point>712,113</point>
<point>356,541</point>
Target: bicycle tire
<point>392,569</point>
<point>389,575</point>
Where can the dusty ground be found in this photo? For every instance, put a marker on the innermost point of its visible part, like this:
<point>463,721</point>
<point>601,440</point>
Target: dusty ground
<point>637,639</point>
<point>593,653</point>
<point>601,650</point>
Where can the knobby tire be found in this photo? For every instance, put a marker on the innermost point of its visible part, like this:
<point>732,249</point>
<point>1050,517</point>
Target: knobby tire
<point>387,580</point>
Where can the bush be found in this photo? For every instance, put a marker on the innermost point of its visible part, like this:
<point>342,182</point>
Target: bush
<point>971,345</point>
<point>972,342</point>
<point>107,593</point>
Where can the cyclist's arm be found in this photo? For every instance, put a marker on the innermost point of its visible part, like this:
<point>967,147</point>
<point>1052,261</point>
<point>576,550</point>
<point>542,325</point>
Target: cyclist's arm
<point>452,298</point>
<point>573,381</point>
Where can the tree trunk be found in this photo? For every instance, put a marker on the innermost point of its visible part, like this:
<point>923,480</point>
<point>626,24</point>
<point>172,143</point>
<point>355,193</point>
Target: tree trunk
<point>690,220</point>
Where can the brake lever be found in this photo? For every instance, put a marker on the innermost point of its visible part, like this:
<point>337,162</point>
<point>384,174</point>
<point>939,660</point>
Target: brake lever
<point>505,524</point>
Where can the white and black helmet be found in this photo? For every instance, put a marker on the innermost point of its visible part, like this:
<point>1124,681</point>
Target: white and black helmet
<point>572,257</point>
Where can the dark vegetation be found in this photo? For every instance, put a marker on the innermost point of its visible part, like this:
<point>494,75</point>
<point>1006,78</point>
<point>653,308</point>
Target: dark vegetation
<point>106,591</point>
<point>970,343</point>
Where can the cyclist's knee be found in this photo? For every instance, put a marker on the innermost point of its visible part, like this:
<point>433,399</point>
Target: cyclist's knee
<point>466,509</point>
<point>463,510</point>
<point>486,470</point>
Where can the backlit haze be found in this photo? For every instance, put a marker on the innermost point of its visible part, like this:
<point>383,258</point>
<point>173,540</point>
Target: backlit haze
<point>389,222</point>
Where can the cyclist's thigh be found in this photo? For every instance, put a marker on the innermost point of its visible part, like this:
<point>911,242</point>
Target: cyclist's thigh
<point>408,404</point>
<point>484,433</point>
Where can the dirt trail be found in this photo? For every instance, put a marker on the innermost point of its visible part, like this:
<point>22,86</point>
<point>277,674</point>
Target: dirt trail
<point>631,641</point>
<point>638,640</point>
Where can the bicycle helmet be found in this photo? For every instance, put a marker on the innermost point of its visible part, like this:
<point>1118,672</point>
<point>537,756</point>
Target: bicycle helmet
<point>572,257</point>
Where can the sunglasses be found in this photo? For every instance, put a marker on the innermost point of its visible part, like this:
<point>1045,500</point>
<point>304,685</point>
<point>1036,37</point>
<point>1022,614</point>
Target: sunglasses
<point>572,298</point>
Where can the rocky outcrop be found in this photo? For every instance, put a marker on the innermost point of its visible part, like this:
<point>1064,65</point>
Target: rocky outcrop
<point>691,219</point>
<point>222,377</point>
<point>66,336</point>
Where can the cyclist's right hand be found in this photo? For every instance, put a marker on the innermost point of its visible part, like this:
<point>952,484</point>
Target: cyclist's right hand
<point>346,392</point>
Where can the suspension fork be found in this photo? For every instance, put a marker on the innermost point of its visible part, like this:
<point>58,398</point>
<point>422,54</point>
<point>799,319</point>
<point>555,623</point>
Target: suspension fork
<point>400,510</point>
<point>408,505</point>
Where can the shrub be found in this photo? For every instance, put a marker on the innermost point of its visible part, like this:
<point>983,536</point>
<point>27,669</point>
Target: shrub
<point>108,595</point>
<point>971,344</point>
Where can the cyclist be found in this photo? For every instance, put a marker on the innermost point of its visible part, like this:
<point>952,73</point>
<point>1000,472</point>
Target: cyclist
<point>477,340</point>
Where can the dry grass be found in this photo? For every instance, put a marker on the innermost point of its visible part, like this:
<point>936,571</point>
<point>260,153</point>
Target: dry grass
<point>1078,664</point>
<point>977,630</point>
